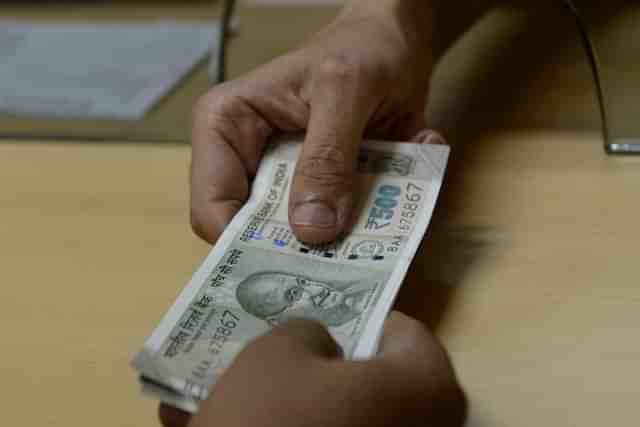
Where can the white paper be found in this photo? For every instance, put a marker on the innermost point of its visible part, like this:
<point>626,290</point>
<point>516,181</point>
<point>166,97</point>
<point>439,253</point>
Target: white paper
<point>115,70</point>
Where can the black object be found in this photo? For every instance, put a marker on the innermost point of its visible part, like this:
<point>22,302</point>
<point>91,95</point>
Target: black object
<point>227,14</point>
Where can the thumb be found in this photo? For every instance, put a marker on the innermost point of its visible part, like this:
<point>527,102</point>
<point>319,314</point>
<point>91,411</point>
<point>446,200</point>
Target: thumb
<point>299,337</point>
<point>342,99</point>
<point>419,366</point>
<point>403,336</point>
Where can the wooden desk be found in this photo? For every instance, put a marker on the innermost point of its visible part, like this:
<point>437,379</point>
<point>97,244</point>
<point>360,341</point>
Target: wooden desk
<point>529,274</point>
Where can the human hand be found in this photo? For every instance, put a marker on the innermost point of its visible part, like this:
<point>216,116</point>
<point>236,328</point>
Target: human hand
<point>365,74</point>
<point>295,376</point>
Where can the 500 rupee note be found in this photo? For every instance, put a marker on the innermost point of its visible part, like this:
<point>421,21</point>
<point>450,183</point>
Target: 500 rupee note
<point>258,275</point>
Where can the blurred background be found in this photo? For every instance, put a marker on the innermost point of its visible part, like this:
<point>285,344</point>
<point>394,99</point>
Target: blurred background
<point>529,52</point>
<point>273,31</point>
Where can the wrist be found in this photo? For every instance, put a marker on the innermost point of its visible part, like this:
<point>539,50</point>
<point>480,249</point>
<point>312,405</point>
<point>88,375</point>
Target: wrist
<point>412,20</point>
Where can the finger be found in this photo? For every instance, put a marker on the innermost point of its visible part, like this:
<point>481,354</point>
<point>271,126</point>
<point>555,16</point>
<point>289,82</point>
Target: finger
<point>292,356</point>
<point>404,335</point>
<point>172,417</point>
<point>418,366</point>
<point>300,336</point>
<point>227,141</point>
<point>428,136</point>
<point>342,98</point>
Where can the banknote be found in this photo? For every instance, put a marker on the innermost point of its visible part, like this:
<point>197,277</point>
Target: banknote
<point>259,275</point>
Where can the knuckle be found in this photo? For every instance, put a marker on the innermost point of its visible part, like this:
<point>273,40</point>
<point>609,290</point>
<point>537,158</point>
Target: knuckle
<point>340,68</point>
<point>327,166</point>
<point>345,70</point>
<point>203,105</point>
<point>211,108</point>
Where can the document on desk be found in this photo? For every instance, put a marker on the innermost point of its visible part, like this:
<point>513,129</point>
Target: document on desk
<point>98,70</point>
<point>258,275</point>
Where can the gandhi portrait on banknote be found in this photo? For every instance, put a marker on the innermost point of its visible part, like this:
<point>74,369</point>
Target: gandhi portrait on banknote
<point>278,296</point>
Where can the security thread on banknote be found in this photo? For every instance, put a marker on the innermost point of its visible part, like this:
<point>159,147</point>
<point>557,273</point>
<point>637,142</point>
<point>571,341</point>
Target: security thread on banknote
<point>258,275</point>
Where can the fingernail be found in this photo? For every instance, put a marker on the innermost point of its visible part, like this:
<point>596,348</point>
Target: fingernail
<point>435,138</point>
<point>315,214</point>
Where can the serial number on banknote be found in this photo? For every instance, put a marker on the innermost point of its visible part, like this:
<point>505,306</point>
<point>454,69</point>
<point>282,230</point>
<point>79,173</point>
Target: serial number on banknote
<point>227,323</point>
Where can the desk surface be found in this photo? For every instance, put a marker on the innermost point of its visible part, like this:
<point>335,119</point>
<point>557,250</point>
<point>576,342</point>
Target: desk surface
<point>529,274</point>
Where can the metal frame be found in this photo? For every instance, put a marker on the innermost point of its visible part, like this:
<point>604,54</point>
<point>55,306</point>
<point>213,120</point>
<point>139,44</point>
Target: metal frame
<point>228,8</point>
<point>611,145</point>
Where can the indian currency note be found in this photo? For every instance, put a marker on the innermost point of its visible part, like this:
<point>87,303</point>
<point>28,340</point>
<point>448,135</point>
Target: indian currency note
<point>258,275</point>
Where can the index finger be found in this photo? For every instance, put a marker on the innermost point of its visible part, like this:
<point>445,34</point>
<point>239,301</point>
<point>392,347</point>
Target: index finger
<point>344,95</point>
<point>227,142</point>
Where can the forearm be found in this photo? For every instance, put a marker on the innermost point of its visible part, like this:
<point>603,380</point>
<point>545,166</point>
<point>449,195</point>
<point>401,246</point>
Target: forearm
<point>428,25</point>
